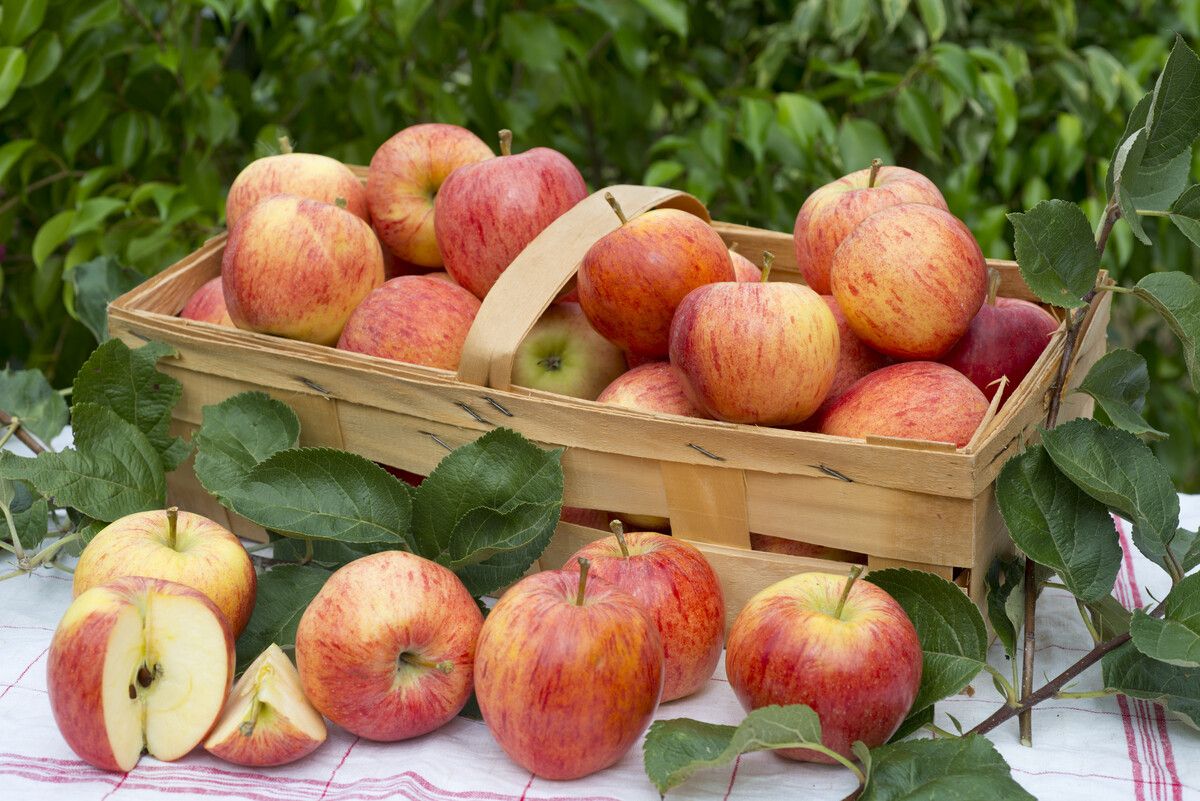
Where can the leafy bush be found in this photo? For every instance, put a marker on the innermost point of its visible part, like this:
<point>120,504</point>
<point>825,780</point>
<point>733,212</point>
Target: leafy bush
<point>124,120</point>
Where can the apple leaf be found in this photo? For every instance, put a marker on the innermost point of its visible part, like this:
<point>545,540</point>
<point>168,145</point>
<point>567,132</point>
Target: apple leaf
<point>27,395</point>
<point>1175,637</point>
<point>331,554</point>
<point>1186,547</point>
<point>284,592</point>
<point>952,632</point>
<point>31,523</point>
<point>113,471</point>
<point>1185,213</point>
<point>1120,471</point>
<point>127,382</point>
<point>1005,582</point>
<point>953,767</point>
<point>97,283</point>
<point>675,749</point>
<point>1172,119</point>
<point>1056,252</point>
<point>913,723</point>
<point>238,433</point>
<point>1176,296</point>
<point>1130,672</point>
<point>1110,618</point>
<point>1119,382</point>
<point>487,546</point>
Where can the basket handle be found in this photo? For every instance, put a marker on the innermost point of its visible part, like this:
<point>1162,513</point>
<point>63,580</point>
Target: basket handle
<point>542,270</point>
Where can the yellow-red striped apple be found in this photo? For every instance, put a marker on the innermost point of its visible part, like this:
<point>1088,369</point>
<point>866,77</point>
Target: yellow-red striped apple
<point>744,270</point>
<point>305,175</point>
<point>562,353</point>
<point>651,387</point>
<point>855,359</point>
<point>207,304</point>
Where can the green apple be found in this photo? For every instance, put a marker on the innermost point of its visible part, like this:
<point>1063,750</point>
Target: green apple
<point>564,354</point>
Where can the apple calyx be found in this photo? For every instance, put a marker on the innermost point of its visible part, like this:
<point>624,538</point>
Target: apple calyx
<point>408,658</point>
<point>618,530</point>
<point>285,145</point>
<point>340,202</point>
<point>768,258</point>
<point>585,564</point>
<point>551,362</point>
<point>505,142</point>
<point>875,165</point>
<point>616,207</point>
<point>855,572</point>
<point>993,285</point>
<point>172,524</point>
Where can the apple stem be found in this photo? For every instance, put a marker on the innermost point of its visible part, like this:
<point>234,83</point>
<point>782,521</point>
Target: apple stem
<point>584,565</point>
<point>172,522</point>
<point>612,201</point>
<point>855,572</point>
<point>618,530</point>
<point>285,145</point>
<point>875,165</point>
<point>505,142</point>
<point>993,286</point>
<point>445,666</point>
<point>768,258</point>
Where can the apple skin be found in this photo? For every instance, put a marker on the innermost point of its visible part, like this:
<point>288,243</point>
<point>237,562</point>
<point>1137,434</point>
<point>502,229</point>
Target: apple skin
<point>744,270</point>
<point>562,353</point>
<point>678,586</point>
<point>592,518</point>
<point>487,212</point>
<point>860,673</point>
<point>205,556</point>
<point>772,544</point>
<point>306,175</point>
<point>633,279</point>
<point>298,268</point>
<point>651,387</point>
<point>359,638</point>
<point>1004,339</point>
<point>833,211</point>
<point>102,636</point>
<point>762,353</point>
<point>566,689</point>
<point>855,359</point>
<point>403,180</point>
<point>414,318</point>
<point>910,279</point>
<point>911,400</point>
<point>207,304</point>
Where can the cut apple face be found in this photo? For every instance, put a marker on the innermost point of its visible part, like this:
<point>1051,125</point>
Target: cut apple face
<point>138,664</point>
<point>268,719</point>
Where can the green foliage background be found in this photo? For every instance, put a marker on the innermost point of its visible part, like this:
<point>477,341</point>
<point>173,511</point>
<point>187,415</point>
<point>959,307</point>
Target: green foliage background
<point>123,121</point>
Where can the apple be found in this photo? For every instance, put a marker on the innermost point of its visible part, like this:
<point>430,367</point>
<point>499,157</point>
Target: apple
<point>772,544</point>
<point>297,268</point>
<point>841,646</point>
<point>138,663</point>
<point>207,304</point>
<point>678,586</point>
<point>744,270</point>
<point>651,387</point>
<point>415,319</point>
<point>632,279</point>
<point>562,353</point>
<point>177,546</point>
<point>855,359</point>
<point>833,211</point>
<point>911,400</point>
<point>487,212</point>
<point>403,180</point>
<point>385,649</point>
<point>762,353</point>
<point>568,672</point>
<point>267,720</point>
<point>306,175</point>
<point>909,279</point>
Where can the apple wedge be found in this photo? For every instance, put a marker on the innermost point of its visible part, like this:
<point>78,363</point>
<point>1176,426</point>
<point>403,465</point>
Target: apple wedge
<point>138,664</point>
<point>267,719</point>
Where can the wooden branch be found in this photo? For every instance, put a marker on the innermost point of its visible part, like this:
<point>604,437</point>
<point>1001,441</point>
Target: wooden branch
<point>22,433</point>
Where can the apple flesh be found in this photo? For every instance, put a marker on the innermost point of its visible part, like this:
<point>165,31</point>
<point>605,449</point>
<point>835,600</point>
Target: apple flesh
<point>568,673</point>
<point>298,268</point>
<point>651,387</point>
<point>177,546</point>
<point>306,175</point>
<point>1005,339</point>
<point>832,212</point>
<point>405,175</point>
<point>207,304</point>
<point>267,720</point>
<point>415,319</point>
<point>855,660</point>
<point>910,279</point>
<point>565,355</point>
<point>912,400</point>
<point>386,648</point>
<point>138,664</point>
<point>487,212</point>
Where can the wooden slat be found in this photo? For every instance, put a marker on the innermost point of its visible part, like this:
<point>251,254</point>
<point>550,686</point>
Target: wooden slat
<point>707,503</point>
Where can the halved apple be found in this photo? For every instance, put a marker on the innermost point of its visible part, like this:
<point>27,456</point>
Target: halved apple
<point>138,664</point>
<point>267,719</point>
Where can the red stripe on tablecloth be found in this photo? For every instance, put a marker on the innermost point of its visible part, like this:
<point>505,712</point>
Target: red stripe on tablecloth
<point>325,789</point>
<point>1132,748</point>
<point>528,784</point>
<point>1176,784</point>
<point>36,659</point>
<point>118,785</point>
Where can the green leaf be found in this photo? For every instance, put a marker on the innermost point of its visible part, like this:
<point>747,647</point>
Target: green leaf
<point>238,433</point>
<point>958,767</point>
<point>112,472</point>
<point>53,233</point>
<point>676,749</point>
<point>1110,618</point>
<point>999,90</point>
<point>952,633</point>
<point>330,554</point>
<point>127,382</point>
<point>803,119</point>
<point>284,592</point>
<point>12,71</point>
<point>1185,211</point>
<point>32,524</point>
<point>26,394</point>
<point>1119,382</point>
<point>662,173</point>
<point>1173,122</point>
<point>859,141</point>
<point>1176,296</point>
<point>1175,637</point>
<point>1186,547</point>
<point>1119,470</point>
<point>893,12</point>
<point>1058,525</point>
<point>755,117</point>
<point>92,212</point>
<point>532,39</point>
<point>11,153</point>
<point>1006,600</point>
<point>21,18</point>
<point>1056,252</point>
<point>44,55</point>
<point>1130,672</point>
<point>671,14</point>
<point>1125,168</point>
<point>913,723</point>
<point>97,283</point>
<point>920,121</point>
<point>933,17</point>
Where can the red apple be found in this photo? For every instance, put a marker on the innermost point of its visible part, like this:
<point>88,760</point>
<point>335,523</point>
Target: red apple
<point>386,648</point>
<point>297,268</point>
<point>306,175</point>
<point>592,518</point>
<point>681,591</point>
<point>564,354</point>
<point>486,213</point>
<point>833,211</point>
<point>207,304</point>
<point>632,280</point>
<point>909,279</point>
<point>912,400</point>
<point>855,359</point>
<point>568,673</point>
<point>651,387</point>
<point>403,181</point>
<point>745,270</point>
<point>772,544</point>
<point>843,647</point>
<point>414,318</point>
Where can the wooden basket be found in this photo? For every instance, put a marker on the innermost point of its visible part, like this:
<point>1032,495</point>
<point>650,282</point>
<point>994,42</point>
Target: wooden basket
<point>900,502</point>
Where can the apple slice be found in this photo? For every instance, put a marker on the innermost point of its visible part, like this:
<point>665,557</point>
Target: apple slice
<point>267,719</point>
<point>137,664</point>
